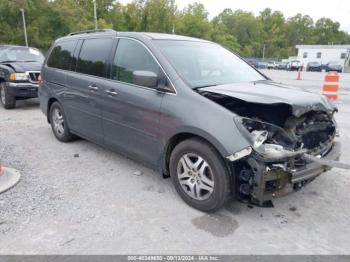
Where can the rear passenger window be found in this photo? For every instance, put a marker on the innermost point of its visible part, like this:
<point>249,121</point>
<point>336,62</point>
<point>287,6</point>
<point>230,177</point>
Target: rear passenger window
<point>132,56</point>
<point>61,55</point>
<point>93,56</point>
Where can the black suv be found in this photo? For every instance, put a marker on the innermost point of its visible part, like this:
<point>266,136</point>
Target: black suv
<point>190,108</point>
<point>19,71</point>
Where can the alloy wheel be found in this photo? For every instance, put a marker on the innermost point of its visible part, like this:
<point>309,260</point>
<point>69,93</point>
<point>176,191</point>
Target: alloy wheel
<point>195,176</point>
<point>58,121</point>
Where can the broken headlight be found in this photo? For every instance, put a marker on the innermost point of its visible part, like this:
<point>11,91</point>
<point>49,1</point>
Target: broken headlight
<point>270,133</point>
<point>267,139</point>
<point>259,137</point>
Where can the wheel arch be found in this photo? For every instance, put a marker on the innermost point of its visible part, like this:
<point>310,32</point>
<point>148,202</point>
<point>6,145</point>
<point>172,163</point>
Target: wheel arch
<point>49,104</point>
<point>178,138</point>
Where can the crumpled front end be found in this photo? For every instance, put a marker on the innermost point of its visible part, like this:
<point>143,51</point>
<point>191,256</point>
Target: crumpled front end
<point>290,145</point>
<point>259,180</point>
<point>283,158</point>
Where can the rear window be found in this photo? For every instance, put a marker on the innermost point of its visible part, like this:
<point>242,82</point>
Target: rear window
<point>93,56</point>
<point>62,55</point>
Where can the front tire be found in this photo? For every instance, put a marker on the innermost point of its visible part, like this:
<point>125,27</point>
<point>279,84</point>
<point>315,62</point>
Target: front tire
<point>59,124</point>
<point>8,101</point>
<point>200,175</point>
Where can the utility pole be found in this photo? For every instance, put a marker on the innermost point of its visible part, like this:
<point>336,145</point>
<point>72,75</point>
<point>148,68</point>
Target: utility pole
<point>95,15</point>
<point>24,27</point>
<point>263,58</point>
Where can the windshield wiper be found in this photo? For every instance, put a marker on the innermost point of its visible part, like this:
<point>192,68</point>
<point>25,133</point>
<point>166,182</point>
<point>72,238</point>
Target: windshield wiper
<point>261,81</point>
<point>198,87</point>
<point>12,61</point>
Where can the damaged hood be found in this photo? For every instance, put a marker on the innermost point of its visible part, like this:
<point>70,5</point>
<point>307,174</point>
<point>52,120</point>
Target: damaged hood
<point>269,92</point>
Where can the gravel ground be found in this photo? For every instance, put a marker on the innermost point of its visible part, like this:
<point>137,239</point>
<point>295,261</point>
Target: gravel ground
<point>79,198</point>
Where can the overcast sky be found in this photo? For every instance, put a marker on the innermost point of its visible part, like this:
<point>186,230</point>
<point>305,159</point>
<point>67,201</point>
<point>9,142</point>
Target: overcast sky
<point>337,10</point>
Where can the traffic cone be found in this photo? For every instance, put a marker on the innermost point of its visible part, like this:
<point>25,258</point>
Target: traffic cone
<point>299,74</point>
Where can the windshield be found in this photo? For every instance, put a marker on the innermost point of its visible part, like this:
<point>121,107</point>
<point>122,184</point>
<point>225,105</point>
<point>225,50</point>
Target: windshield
<point>207,64</point>
<point>21,54</point>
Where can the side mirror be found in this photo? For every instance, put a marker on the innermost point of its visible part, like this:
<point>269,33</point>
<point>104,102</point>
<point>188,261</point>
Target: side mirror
<point>145,78</point>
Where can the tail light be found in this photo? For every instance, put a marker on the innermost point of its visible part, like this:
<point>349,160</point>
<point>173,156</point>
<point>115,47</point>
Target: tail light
<point>40,80</point>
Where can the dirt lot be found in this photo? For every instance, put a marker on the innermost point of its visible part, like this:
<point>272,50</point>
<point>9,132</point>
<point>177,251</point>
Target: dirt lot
<point>79,198</point>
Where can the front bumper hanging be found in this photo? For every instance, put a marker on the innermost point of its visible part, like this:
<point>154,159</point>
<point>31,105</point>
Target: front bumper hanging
<point>261,181</point>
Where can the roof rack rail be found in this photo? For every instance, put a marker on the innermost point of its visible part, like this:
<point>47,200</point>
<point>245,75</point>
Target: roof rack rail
<point>92,31</point>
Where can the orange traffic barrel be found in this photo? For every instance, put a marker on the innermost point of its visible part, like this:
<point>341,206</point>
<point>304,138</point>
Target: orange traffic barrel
<point>331,85</point>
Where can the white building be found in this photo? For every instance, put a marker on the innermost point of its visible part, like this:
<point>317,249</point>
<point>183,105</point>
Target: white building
<point>324,54</point>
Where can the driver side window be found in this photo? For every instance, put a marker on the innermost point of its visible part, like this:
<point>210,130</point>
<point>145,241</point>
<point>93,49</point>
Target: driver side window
<point>132,56</point>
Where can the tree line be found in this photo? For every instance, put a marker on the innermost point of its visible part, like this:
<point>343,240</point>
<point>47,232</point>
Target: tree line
<point>237,30</point>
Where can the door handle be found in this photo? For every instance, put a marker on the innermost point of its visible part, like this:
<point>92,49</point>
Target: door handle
<point>111,92</point>
<point>93,88</point>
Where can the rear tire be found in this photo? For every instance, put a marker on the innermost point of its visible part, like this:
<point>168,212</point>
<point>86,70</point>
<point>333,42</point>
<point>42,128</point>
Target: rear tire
<point>200,175</point>
<point>8,101</point>
<point>59,124</point>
